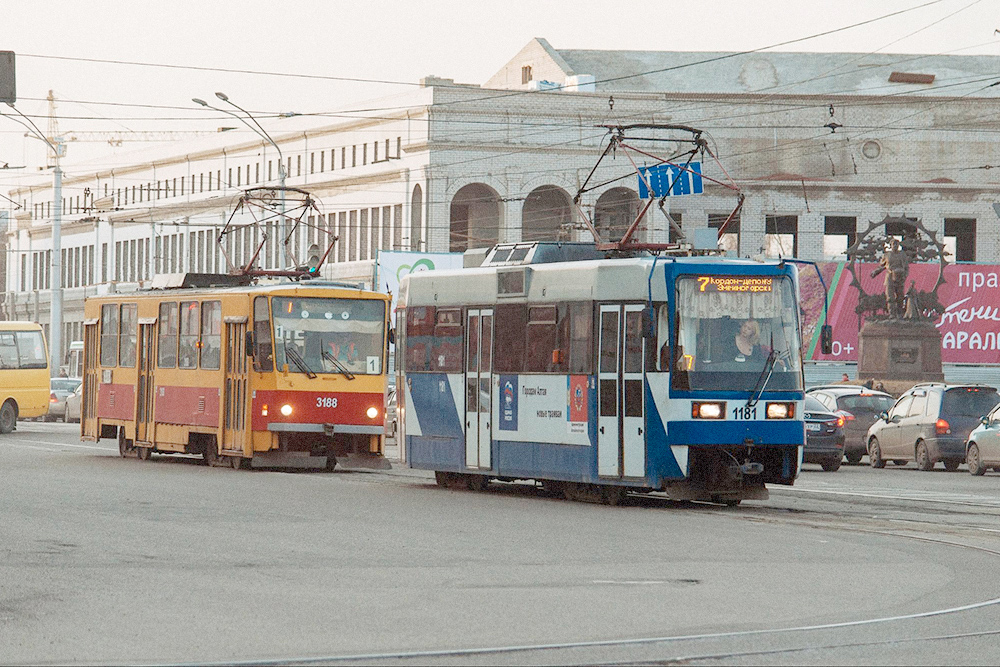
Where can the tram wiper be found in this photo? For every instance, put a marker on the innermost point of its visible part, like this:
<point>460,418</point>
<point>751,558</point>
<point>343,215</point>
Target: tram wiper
<point>297,359</point>
<point>765,375</point>
<point>339,366</point>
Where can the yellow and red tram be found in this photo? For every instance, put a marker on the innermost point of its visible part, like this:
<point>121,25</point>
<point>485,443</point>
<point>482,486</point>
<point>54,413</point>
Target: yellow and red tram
<point>278,375</point>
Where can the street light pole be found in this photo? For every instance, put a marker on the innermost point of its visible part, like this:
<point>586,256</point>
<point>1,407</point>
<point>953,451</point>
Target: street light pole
<point>56,299</point>
<point>261,132</point>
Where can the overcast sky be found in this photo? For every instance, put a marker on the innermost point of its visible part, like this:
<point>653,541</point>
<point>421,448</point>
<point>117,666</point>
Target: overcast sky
<point>387,42</point>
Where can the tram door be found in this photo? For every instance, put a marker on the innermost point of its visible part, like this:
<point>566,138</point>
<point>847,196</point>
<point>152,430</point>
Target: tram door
<point>91,378</point>
<point>234,399</point>
<point>478,388</point>
<point>621,439</point>
<point>146,356</point>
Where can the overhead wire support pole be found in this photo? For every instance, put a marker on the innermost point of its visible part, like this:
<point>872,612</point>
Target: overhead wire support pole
<point>56,301</point>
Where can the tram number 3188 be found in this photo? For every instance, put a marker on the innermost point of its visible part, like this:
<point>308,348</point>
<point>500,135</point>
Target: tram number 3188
<point>326,402</point>
<point>745,412</point>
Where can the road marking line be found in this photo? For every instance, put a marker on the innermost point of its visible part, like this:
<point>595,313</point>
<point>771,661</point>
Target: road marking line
<point>59,444</point>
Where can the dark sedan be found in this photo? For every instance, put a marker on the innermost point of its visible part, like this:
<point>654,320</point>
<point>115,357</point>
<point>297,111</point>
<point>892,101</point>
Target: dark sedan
<point>860,408</point>
<point>824,436</point>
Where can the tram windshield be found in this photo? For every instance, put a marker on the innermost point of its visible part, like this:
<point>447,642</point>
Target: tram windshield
<point>315,335</point>
<point>735,332</point>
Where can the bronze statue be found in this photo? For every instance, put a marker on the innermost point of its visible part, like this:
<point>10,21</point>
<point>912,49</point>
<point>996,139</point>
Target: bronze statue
<point>894,255</point>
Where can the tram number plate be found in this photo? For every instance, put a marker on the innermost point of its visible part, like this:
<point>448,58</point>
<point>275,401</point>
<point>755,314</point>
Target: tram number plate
<point>326,402</point>
<point>812,427</point>
<point>745,412</point>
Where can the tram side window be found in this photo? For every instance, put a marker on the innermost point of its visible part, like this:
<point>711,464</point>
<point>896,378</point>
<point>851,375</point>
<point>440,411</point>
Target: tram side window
<point>510,323</point>
<point>580,324</point>
<point>167,343</point>
<point>211,334</point>
<point>542,342</point>
<point>263,358</point>
<point>126,335</point>
<point>187,351</point>
<point>109,334</point>
<point>419,331</point>
<point>446,350</point>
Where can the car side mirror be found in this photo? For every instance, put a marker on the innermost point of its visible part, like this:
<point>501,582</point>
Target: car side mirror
<point>884,416</point>
<point>392,336</point>
<point>984,420</point>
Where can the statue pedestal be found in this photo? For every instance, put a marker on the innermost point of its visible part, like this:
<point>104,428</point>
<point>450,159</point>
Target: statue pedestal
<point>900,350</point>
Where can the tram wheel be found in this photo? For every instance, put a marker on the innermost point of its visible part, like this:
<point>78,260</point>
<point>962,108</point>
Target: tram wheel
<point>477,482</point>
<point>210,453</point>
<point>442,478</point>
<point>144,453</point>
<point>728,502</point>
<point>613,495</point>
<point>123,446</point>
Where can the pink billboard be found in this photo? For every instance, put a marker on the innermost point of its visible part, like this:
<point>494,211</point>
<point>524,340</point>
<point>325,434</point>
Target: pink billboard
<point>969,326</point>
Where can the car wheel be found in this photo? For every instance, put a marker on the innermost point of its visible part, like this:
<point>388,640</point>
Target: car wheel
<point>144,453</point>
<point>854,458</point>
<point>923,457</point>
<point>66,418</point>
<point>974,460</point>
<point>123,444</point>
<point>875,454</point>
<point>951,465</point>
<point>8,417</point>
<point>831,465</point>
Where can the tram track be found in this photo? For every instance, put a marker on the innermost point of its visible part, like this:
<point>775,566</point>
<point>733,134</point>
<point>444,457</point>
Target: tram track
<point>563,652</point>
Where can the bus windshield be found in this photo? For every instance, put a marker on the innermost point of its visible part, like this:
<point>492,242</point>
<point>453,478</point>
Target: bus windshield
<point>736,333</point>
<point>316,335</point>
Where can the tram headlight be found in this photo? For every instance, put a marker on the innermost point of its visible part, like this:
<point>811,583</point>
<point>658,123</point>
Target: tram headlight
<point>372,412</point>
<point>713,410</point>
<point>286,410</point>
<point>780,411</point>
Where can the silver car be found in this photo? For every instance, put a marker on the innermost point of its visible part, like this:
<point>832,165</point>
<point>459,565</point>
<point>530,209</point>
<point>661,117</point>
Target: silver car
<point>982,451</point>
<point>59,390</point>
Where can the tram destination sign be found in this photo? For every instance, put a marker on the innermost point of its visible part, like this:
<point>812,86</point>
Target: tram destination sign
<point>735,283</point>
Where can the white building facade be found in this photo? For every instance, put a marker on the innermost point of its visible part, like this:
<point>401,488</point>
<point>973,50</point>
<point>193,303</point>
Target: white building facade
<point>820,144</point>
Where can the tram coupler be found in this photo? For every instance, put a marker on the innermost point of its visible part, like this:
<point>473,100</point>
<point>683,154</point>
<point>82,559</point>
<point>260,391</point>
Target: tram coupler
<point>752,468</point>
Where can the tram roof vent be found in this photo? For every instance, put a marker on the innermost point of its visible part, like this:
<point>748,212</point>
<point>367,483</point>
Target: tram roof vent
<point>192,280</point>
<point>541,252</point>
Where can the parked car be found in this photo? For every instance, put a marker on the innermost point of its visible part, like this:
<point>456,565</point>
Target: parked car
<point>59,389</point>
<point>824,436</point>
<point>860,408</point>
<point>72,412</point>
<point>931,422</point>
<point>982,451</point>
<point>390,415</point>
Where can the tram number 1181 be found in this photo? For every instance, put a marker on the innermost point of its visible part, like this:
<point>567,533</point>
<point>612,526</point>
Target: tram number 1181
<point>745,412</point>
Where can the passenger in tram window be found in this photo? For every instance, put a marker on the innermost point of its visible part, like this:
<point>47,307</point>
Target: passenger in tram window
<point>188,354</point>
<point>344,350</point>
<point>744,347</point>
<point>211,354</point>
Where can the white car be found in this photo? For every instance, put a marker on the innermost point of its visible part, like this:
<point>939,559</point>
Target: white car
<point>982,451</point>
<point>72,411</point>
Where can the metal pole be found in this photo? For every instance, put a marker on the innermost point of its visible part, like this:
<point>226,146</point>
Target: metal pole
<point>56,302</point>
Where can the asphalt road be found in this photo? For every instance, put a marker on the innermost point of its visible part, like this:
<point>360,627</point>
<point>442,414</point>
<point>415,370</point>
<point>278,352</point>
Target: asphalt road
<point>105,560</point>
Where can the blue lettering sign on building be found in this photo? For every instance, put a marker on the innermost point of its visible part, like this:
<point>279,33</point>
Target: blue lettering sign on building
<point>670,180</point>
<point>508,402</point>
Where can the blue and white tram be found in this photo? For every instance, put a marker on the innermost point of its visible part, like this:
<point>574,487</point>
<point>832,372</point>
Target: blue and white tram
<point>598,377</point>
